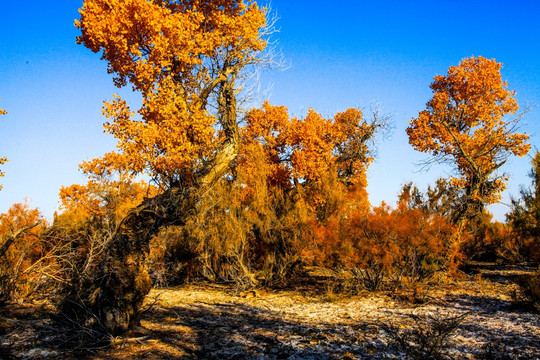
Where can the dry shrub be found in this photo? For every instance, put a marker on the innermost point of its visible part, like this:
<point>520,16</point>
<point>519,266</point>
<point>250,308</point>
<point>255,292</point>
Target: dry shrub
<point>530,290</point>
<point>490,240</point>
<point>406,246</point>
<point>524,216</point>
<point>231,237</point>
<point>82,232</point>
<point>426,337</point>
<point>292,179</point>
<point>370,278</point>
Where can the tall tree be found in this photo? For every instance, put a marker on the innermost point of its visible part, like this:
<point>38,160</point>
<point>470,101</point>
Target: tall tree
<point>465,124</point>
<point>185,58</point>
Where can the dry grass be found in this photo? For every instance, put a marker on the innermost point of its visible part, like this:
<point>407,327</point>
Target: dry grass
<point>311,320</point>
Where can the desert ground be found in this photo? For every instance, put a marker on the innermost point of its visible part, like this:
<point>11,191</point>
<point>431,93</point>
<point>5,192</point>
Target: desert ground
<point>478,317</point>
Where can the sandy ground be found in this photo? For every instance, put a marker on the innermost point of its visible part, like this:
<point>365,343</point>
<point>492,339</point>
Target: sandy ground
<point>310,322</point>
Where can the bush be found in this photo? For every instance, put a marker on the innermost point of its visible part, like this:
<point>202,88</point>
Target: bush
<point>407,245</point>
<point>493,241</point>
<point>530,289</point>
<point>25,255</point>
<point>427,336</point>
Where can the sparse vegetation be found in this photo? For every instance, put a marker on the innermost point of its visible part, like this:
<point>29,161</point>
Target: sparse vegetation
<point>427,336</point>
<point>530,289</point>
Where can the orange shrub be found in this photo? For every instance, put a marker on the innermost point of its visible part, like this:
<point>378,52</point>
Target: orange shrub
<point>23,252</point>
<point>402,241</point>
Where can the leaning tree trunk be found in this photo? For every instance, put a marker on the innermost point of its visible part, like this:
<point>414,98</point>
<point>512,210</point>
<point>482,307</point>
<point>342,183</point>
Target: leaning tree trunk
<point>113,300</point>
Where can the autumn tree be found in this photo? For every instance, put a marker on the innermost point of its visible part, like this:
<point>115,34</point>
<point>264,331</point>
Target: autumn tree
<point>465,124</point>
<point>102,201</point>
<point>310,152</point>
<point>292,175</point>
<point>22,251</point>
<point>301,174</point>
<point>185,59</point>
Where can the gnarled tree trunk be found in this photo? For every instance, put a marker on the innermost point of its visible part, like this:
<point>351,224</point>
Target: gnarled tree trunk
<point>113,299</point>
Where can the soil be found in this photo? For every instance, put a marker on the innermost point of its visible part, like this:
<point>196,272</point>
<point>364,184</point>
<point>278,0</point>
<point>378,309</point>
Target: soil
<point>314,319</point>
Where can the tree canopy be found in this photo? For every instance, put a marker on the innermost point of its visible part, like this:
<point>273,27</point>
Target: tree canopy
<point>184,58</point>
<point>465,124</point>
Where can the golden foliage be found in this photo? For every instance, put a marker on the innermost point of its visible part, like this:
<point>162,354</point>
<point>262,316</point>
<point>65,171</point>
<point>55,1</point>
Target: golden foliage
<point>291,177</point>
<point>105,202</point>
<point>464,124</point>
<point>406,241</point>
<point>311,153</point>
<point>175,53</point>
<point>22,250</point>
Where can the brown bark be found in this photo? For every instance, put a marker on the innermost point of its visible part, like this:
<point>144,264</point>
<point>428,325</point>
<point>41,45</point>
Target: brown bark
<point>114,298</point>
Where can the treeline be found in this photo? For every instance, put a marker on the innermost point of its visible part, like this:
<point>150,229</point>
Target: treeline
<point>269,218</point>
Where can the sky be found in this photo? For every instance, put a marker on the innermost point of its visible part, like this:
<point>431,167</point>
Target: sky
<point>339,54</point>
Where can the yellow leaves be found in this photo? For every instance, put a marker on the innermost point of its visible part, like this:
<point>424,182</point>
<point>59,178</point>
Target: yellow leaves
<point>465,123</point>
<point>311,142</point>
<point>324,157</point>
<point>141,38</point>
<point>3,160</point>
<point>166,50</point>
<point>102,200</point>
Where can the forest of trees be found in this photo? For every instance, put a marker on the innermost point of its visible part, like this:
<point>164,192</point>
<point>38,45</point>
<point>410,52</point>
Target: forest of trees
<point>199,190</point>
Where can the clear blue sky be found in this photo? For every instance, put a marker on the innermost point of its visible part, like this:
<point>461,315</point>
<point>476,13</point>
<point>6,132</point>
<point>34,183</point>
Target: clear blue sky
<point>341,54</point>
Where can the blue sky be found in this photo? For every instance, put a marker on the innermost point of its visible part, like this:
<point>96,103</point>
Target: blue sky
<point>341,54</point>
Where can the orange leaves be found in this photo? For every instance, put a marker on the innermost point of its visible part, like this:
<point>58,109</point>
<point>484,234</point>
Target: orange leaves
<point>146,41</point>
<point>407,241</point>
<point>311,141</point>
<point>3,160</point>
<point>464,123</point>
<point>176,54</point>
<point>18,216</point>
<point>102,201</point>
<point>321,155</point>
<point>311,146</point>
<point>109,194</point>
<point>19,241</point>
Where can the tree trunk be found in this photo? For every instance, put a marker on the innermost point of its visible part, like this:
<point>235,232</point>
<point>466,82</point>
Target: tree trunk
<point>113,299</point>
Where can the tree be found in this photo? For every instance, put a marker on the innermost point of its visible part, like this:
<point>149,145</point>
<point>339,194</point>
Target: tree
<point>465,125</point>
<point>524,216</point>
<point>22,251</point>
<point>292,175</point>
<point>3,160</point>
<point>185,58</point>
<point>103,202</point>
<point>299,175</point>
<point>310,152</point>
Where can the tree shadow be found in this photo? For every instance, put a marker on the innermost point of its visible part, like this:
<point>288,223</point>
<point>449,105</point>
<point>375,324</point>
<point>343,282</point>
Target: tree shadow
<point>239,331</point>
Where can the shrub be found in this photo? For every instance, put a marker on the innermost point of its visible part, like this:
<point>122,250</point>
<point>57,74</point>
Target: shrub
<point>530,288</point>
<point>492,241</point>
<point>427,336</point>
<point>405,244</point>
<point>24,254</point>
